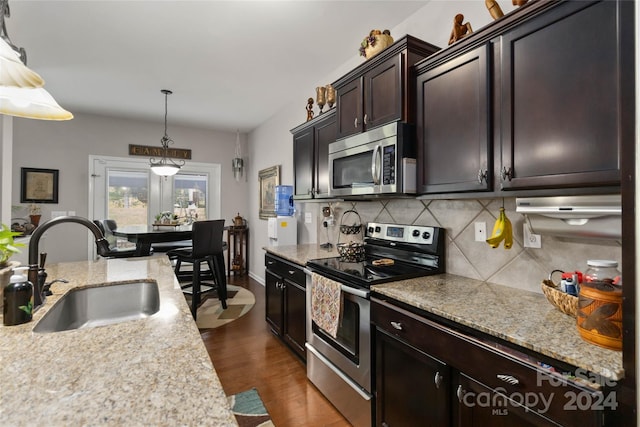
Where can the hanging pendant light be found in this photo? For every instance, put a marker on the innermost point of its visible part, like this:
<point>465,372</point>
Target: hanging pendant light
<point>166,166</point>
<point>21,89</point>
<point>237,163</point>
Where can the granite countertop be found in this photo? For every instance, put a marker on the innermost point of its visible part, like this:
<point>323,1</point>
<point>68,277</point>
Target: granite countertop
<point>300,254</point>
<point>153,371</point>
<point>518,316</point>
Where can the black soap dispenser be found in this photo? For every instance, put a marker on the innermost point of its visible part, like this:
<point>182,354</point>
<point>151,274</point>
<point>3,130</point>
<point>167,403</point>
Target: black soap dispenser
<point>18,299</point>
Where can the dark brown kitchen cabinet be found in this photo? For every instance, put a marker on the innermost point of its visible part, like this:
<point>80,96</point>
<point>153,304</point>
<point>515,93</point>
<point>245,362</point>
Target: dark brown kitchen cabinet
<point>311,156</point>
<point>452,123</point>
<point>381,90</point>
<point>455,378</point>
<point>285,302</point>
<point>412,388</point>
<point>567,91</point>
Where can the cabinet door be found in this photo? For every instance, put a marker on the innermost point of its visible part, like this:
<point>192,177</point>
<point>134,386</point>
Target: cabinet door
<point>295,317</point>
<point>564,96</point>
<point>349,108</point>
<point>303,163</point>
<point>274,301</point>
<point>325,134</point>
<point>454,141</point>
<point>383,91</point>
<point>411,388</point>
<point>477,405</point>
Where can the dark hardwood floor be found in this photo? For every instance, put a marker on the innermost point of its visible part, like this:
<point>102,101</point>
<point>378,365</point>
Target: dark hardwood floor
<point>246,354</point>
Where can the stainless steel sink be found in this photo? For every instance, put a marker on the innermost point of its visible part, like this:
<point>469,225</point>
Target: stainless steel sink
<point>100,305</point>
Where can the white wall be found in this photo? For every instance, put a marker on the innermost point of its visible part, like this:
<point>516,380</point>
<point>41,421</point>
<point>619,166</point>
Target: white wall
<point>66,146</point>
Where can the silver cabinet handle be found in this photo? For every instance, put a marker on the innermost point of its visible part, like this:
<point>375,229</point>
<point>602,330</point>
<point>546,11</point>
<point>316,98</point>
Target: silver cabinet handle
<point>438,379</point>
<point>397,325</point>
<point>270,262</point>
<point>507,173</point>
<point>509,379</point>
<point>483,175</point>
<point>460,393</point>
<point>355,123</point>
<point>365,119</point>
<point>292,272</point>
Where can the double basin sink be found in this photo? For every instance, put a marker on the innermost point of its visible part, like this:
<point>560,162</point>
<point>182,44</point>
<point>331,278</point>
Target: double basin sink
<point>99,305</point>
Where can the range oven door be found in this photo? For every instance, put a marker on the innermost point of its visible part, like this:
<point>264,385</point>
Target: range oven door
<point>350,351</point>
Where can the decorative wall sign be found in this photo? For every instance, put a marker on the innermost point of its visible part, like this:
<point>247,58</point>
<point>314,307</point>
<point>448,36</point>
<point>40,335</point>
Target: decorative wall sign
<point>269,178</point>
<point>157,151</point>
<point>39,185</point>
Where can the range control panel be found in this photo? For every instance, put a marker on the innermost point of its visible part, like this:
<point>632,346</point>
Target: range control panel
<point>401,233</point>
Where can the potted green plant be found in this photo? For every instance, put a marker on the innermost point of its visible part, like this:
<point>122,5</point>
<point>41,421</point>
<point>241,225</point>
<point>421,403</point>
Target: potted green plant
<point>7,249</point>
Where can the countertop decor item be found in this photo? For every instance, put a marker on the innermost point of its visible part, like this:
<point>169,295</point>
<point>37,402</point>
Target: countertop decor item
<point>599,317</point>
<point>568,304</point>
<point>375,43</point>
<point>331,95</point>
<point>321,97</point>
<point>459,30</point>
<point>309,109</point>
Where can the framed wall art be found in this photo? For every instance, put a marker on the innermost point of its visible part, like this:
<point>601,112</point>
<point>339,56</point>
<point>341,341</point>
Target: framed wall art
<point>269,178</point>
<point>39,185</point>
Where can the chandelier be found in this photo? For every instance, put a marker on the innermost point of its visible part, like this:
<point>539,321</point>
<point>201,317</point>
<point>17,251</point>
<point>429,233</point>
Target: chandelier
<point>21,89</point>
<point>166,166</point>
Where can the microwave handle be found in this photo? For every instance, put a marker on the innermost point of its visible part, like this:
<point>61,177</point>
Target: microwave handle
<point>376,164</point>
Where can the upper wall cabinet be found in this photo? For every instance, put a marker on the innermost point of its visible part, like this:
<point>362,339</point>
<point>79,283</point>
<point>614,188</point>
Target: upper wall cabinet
<point>311,156</point>
<point>452,123</point>
<point>567,96</point>
<point>380,90</point>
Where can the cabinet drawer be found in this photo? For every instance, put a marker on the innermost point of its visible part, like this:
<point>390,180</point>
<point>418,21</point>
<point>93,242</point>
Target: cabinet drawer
<point>285,269</point>
<point>496,369</point>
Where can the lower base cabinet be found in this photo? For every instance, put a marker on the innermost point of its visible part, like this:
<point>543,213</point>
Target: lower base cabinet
<point>285,302</point>
<point>429,374</point>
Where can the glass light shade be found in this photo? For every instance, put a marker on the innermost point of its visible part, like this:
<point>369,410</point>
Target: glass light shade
<point>31,103</point>
<point>165,169</point>
<point>13,72</point>
<point>238,166</point>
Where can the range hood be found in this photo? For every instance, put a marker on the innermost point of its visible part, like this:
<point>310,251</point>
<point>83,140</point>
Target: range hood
<point>594,217</point>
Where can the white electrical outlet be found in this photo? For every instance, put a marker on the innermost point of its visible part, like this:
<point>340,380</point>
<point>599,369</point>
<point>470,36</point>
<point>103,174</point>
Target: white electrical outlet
<point>480,231</point>
<point>531,240</point>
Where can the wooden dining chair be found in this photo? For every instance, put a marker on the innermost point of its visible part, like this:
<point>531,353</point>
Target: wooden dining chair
<point>208,247</point>
<point>114,250</point>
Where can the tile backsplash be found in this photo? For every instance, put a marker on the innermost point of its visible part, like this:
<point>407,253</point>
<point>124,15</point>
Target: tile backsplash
<point>518,267</point>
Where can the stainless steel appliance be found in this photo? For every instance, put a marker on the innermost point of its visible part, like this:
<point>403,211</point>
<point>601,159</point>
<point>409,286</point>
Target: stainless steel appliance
<point>341,367</point>
<point>379,161</point>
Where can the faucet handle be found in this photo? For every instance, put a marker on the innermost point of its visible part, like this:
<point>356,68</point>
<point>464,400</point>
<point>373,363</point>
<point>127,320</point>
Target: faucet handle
<point>43,258</point>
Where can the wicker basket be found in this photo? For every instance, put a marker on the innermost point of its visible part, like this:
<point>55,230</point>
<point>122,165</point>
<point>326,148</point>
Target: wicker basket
<point>568,304</point>
<point>351,252</point>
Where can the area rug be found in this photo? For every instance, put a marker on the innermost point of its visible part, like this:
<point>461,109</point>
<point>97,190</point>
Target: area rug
<point>249,409</point>
<point>210,312</point>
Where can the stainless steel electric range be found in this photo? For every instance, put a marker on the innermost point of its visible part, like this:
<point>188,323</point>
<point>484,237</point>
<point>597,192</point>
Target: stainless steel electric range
<point>340,367</point>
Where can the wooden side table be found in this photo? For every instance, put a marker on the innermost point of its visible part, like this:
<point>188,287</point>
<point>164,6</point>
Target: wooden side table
<point>237,247</point>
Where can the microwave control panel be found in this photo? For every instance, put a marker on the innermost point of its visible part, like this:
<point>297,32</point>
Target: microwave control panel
<point>389,165</point>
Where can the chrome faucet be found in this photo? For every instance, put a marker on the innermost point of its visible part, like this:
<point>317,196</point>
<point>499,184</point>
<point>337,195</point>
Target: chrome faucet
<point>37,275</point>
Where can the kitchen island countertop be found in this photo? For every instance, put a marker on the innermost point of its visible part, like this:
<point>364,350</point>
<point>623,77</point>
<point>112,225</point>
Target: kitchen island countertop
<point>152,371</point>
<point>521,317</point>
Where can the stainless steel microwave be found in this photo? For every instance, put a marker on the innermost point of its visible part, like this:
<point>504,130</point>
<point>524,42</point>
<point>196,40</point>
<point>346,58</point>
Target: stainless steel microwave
<point>379,161</point>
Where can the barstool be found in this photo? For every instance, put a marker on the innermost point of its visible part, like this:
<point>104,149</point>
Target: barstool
<point>207,247</point>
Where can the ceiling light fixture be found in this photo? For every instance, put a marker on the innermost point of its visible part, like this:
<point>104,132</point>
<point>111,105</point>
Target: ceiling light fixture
<point>166,166</point>
<point>21,91</point>
<point>237,163</point>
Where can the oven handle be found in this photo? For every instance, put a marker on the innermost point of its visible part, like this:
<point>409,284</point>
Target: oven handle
<point>376,164</point>
<point>366,396</point>
<point>347,289</point>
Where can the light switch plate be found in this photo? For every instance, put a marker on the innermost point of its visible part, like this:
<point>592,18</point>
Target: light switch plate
<point>480,231</point>
<point>56,214</point>
<point>307,218</point>
<point>531,240</point>
<point>72,213</point>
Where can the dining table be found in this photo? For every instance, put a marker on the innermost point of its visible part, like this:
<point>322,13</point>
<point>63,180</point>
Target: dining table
<point>144,236</point>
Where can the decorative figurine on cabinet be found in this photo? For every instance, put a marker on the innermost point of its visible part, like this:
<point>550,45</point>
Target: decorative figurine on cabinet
<point>459,29</point>
<point>494,9</point>
<point>309,109</point>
